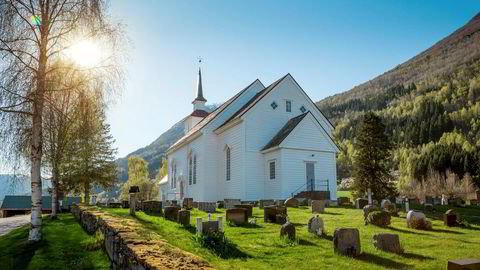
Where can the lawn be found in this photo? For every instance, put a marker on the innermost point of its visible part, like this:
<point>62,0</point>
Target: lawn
<point>65,246</point>
<point>263,249</point>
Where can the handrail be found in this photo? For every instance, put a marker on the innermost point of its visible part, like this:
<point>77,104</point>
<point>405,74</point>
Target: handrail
<point>314,186</point>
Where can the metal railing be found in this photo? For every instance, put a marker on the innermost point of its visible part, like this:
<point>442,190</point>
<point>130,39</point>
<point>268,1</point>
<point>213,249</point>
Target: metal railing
<point>309,186</point>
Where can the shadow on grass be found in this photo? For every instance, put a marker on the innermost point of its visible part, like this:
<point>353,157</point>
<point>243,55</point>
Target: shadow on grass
<point>190,228</point>
<point>18,251</point>
<point>304,242</point>
<point>380,261</point>
<point>410,255</point>
<point>331,213</point>
<point>445,231</point>
<point>403,231</point>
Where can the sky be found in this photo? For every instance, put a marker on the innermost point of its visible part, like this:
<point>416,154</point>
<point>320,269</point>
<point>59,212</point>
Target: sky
<point>327,46</point>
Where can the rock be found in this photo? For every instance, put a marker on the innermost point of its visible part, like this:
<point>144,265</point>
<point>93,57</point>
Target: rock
<point>387,242</point>
<point>183,217</point>
<point>291,202</point>
<point>171,212</point>
<point>280,219</point>
<point>346,241</point>
<point>378,218</point>
<point>318,206</point>
<point>263,203</point>
<point>417,220</point>
<point>238,216</point>
<point>360,203</point>
<point>315,226</point>
<point>367,209</point>
<point>450,218</point>
<point>288,230</point>
<point>246,206</point>
<point>270,213</point>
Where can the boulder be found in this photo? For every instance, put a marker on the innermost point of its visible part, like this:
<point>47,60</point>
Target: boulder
<point>367,209</point>
<point>387,242</point>
<point>417,220</point>
<point>360,203</point>
<point>315,226</point>
<point>238,216</point>
<point>318,206</point>
<point>183,217</point>
<point>249,208</point>
<point>346,241</point>
<point>288,230</point>
<point>171,212</point>
<point>291,202</point>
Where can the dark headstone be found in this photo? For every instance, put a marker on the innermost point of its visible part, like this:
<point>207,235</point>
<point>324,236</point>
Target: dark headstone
<point>288,230</point>
<point>343,201</point>
<point>346,241</point>
<point>188,203</point>
<point>270,213</point>
<point>387,242</point>
<point>246,206</point>
<point>171,212</point>
<point>152,207</point>
<point>134,189</point>
<point>428,207</point>
<point>183,217</point>
<point>125,204</point>
<point>367,209</point>
<point>238,216</point>
<point>210,226</point>
<point>360,203</point>
<point>464,264</point>
<point>230,203</point>
<point>450,218</point>
<point>473,202</point>
<point>263,203</point>
<point>220,204</point>
<point>280,219</point>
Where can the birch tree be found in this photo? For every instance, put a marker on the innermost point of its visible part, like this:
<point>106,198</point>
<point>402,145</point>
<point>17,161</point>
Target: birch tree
<point>33,34</point>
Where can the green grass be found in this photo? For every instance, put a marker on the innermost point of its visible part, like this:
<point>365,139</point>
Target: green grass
<point>265,250</point>
<point>345,194</point>
<point>65,245</point>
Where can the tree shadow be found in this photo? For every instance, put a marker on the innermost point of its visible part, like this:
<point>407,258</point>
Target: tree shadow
<point>410,255</point>
<point>380,261</point>
<point>189,228</point>
<point>403,231</point>
<point>330,213</point>
<point>445,231</point>
<point>304,242</point>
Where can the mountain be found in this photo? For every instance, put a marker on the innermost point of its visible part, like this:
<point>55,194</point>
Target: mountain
<point>155,151</point>
<point>430,106</point>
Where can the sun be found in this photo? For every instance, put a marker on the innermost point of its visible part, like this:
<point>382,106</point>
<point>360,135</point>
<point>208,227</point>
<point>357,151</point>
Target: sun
<point>85,53</point>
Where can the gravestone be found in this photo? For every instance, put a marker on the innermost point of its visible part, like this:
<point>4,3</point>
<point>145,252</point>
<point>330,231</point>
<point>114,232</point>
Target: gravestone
<point>230,203</point>
<point>220,204</point>
<point>386,205</point>
<point>387,242</point>
<point>125,204</point>
<point>132,199</point>
<point>183,217</point>
<point>208,207</point>
<point>280,203</point>
<point>302,201</point>
<point>464,264</point>
<point>288,230</point>
<point>188,203</point>
<point>152,207</point>
<point>280,219</point>
<point>195,204</point>
<point>171,212</point>
<point>473,202</point>
<point>209,226</point>
<point>318,206</point>
<point>417,220</point>
<point>428,207</point>
<point>238,216</point>
<point>270,213</point>
<point>246,206</point>
<point>450,218</point>
<point>263,203</point>
<point>367,209</point>
<point>315,226</point>
<point>346,241</point>
<point>343,201</point>
<point>360,203</point>
<point>291,202</point>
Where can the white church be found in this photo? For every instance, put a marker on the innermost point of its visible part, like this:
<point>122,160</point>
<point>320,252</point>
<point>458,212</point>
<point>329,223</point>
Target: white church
<point>265,142</point>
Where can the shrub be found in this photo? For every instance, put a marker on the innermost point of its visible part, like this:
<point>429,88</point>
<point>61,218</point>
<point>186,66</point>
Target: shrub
<point>218,243</point>
<point>420,224</point>
<point>378,218</point>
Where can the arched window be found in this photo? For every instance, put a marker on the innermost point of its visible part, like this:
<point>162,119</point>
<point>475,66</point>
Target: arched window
<point>227,157</point>
<point>194,169</point>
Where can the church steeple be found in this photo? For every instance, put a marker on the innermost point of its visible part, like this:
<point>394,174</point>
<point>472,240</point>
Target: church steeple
<point>199,88</point>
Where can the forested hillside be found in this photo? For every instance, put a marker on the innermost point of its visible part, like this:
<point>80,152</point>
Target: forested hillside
<point>430,106</point>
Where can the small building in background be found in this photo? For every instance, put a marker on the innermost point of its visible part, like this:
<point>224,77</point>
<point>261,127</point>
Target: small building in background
<point>22,204</point>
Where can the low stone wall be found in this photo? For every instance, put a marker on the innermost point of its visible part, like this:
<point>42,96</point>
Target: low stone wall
<point>127,249</point>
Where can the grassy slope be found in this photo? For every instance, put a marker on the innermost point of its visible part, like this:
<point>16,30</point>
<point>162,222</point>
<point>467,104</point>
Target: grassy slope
<point>65,246</point>
<point>424,249</point>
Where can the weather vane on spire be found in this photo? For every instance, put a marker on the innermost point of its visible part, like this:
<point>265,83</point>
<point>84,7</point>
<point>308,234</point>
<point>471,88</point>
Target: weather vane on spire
<point>199,59</point>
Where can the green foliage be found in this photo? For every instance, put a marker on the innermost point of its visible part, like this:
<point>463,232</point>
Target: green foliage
<point>163,170</point>
<point>378,218</point>
<point>138,176</point>
<point>217,243</point>
<point>371,162</point>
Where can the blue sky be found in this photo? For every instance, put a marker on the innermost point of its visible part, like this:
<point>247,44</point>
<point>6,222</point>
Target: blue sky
<point>328,46</point>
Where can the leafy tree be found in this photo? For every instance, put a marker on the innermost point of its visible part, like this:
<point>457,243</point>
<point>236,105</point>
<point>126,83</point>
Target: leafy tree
<point>371,160</point>
<point>138,176</point>
<point>163,170</point>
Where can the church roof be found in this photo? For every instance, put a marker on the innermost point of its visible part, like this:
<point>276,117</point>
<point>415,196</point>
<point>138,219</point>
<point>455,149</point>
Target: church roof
<point>199,113</point>
<point>283,133</point>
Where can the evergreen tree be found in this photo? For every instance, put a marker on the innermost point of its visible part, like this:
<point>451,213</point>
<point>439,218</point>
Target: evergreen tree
<point>370,166</point>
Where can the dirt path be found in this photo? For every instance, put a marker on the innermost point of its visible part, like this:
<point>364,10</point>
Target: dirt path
<point>10,223</point>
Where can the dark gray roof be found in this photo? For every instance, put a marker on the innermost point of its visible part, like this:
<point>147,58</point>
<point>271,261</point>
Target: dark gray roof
<point>284,131</point>
<point>25,202</point>
<point>199,87</point>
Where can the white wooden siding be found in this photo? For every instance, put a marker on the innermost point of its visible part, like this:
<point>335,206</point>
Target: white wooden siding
<point>272,187</point>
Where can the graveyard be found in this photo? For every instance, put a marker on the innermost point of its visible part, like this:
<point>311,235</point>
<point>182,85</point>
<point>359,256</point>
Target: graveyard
<point>259,245</point>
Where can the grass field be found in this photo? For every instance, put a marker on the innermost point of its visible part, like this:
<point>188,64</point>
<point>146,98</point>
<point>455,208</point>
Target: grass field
<point>261,247</point>
<point>65,246</point>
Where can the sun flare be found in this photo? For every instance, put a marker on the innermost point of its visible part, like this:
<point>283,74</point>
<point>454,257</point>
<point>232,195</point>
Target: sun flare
<point>85,53</point>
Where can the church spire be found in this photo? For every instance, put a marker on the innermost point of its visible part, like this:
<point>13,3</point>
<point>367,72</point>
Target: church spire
<point>199,87</point>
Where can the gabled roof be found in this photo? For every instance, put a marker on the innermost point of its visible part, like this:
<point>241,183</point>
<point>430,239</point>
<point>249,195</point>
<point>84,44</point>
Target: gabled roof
<point>245,108</point>
<point>199,113</point>
<point>211,116</point>
<point>283,133</point>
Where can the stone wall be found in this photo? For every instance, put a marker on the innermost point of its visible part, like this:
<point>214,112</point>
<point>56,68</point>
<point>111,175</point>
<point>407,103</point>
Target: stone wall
<point>127,249</point>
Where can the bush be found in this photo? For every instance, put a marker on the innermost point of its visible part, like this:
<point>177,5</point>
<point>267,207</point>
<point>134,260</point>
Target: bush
<point>218,243</point>
<point>378,218</point>
<point>420,224</point>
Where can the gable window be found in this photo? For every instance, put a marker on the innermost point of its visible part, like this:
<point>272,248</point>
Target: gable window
<point>274,105</point>
<point>272,170</point>
<point>227,157</point>
<point>288,105</point>
<point>194,169</point>
<point>190,170</point>
<point>303,109</point>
